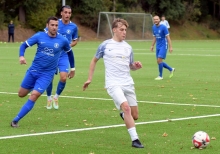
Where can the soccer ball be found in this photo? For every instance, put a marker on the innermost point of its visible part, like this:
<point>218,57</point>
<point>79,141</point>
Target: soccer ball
<point>200,139</point>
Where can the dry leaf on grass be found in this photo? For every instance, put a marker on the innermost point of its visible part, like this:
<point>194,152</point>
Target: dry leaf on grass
<point>213,138</point>
<point>165,134</point>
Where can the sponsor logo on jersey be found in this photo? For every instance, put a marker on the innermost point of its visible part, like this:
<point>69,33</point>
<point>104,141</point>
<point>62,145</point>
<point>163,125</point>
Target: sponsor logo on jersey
<point>48,51</point>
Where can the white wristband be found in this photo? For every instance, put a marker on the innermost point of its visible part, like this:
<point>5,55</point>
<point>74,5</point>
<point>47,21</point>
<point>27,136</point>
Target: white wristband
<point>73,69</point>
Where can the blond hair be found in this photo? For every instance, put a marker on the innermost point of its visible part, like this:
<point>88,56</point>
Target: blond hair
<point>119,20</point>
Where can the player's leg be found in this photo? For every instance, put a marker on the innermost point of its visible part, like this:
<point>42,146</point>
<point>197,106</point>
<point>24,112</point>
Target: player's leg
<point>27,84</point>
<point>160,56</point>
<point>129,92</point>
<point>120,101</point>
<point>40,83</point>
<point>9,35</point>
<point>64,69</point>
<point>12,37</point>
<point>165,65</point>
<point>49,97</point>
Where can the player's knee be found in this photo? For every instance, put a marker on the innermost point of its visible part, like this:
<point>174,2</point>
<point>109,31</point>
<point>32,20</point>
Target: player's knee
<point>34,96</point>
<point>20,94</point>
<point>135,116</point>
<point>63,78</point>
<point>126,109</point>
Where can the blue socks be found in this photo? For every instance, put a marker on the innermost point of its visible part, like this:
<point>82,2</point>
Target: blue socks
<point>161,65</point>
<point>24,110</point>
<point>49,89</point>
<point>60,87</point>
<point>167,66</point>
<point>160,69</point>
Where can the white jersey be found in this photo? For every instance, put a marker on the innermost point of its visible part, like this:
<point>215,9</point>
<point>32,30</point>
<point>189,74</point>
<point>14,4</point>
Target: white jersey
<point>165,22</point>
<point>117,58</point>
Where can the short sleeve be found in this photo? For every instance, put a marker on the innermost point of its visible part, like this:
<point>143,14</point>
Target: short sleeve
<point>75,34</point>
<point>153,31</point>
<point>166,32</point>
<point>131,57</point>
<point>100,51</point>
<point>66,46</point>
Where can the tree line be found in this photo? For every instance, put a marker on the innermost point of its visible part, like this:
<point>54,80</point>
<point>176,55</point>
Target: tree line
<point>33,13</point>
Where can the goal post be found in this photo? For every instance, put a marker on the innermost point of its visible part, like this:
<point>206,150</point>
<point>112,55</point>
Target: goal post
<point>140,25</point>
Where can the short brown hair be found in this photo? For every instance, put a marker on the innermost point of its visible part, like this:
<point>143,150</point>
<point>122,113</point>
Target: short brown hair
<point>52,18</point>
<point>119,20</point>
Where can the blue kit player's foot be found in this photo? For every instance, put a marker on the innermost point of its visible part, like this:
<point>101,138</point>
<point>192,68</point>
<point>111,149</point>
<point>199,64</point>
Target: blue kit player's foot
<point>122,115</point>
<point>137,144</point>
<point>159,78</point>
<point>49,104</point>
<point>14,124</point>
<point>172,72</point>
<point>55,103</point>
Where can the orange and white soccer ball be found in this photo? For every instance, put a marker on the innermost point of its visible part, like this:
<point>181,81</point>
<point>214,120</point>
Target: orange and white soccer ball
<point>200,139</point>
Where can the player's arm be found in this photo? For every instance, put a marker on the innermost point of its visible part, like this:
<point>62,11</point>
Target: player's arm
<point>153,43</point>
<point>74,37</point>
<point>22,49</point>
<point>31,41</point>
<point>91,72</point>
<point>169,43</point>
<point>168,25</point>
<point>73,43</point>
<point>134,65</point>
<point>72,64</point>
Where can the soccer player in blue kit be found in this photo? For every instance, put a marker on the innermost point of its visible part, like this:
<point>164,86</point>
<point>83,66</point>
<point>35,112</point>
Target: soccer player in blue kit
<point>41,72</point>
<point>69,30</point>
<point>161,38</point>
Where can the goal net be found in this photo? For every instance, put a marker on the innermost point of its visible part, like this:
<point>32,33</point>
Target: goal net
<point>140,25</point>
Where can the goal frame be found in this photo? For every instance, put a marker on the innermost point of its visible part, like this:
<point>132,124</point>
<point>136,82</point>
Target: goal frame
<point>119,13</point>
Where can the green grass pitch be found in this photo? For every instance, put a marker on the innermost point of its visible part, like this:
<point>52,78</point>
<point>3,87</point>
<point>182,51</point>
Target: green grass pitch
<point>87,122</point>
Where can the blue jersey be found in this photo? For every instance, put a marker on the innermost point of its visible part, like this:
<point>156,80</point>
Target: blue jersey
<point>160,32</point>
<point>70,31</point>
<point>48,51</point>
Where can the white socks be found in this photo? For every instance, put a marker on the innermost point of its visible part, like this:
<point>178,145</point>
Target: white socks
<point>49,98</point>
<point>56,96</point>
<point>133,133</point>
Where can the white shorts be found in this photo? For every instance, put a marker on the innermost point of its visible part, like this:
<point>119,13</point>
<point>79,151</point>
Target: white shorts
<point>121,94</point>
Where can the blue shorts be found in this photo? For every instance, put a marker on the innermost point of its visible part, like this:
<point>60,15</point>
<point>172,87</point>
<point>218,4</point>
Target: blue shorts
<point>38,81</point>
<point>161,52</point>
<point>63,63</point>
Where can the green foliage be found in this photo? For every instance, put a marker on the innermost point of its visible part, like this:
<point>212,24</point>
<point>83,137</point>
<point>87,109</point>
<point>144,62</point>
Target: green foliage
<point>193,10</point>
<point>37,19</point>
<point>90,12</point>
<point>172,9</point>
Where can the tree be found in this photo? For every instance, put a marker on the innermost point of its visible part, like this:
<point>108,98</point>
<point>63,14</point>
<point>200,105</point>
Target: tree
<point>173,10</point>
<point>193,12</point>
<point>90,11</point>
<point>42,10</point>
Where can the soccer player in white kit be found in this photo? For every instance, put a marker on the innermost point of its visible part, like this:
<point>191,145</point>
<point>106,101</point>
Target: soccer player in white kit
<point>118,59</point>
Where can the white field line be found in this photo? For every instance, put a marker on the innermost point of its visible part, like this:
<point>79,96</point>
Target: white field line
<point>142,49</point>
<point>149,102</point>
<point>104,127</point>
<point>200,55</point>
